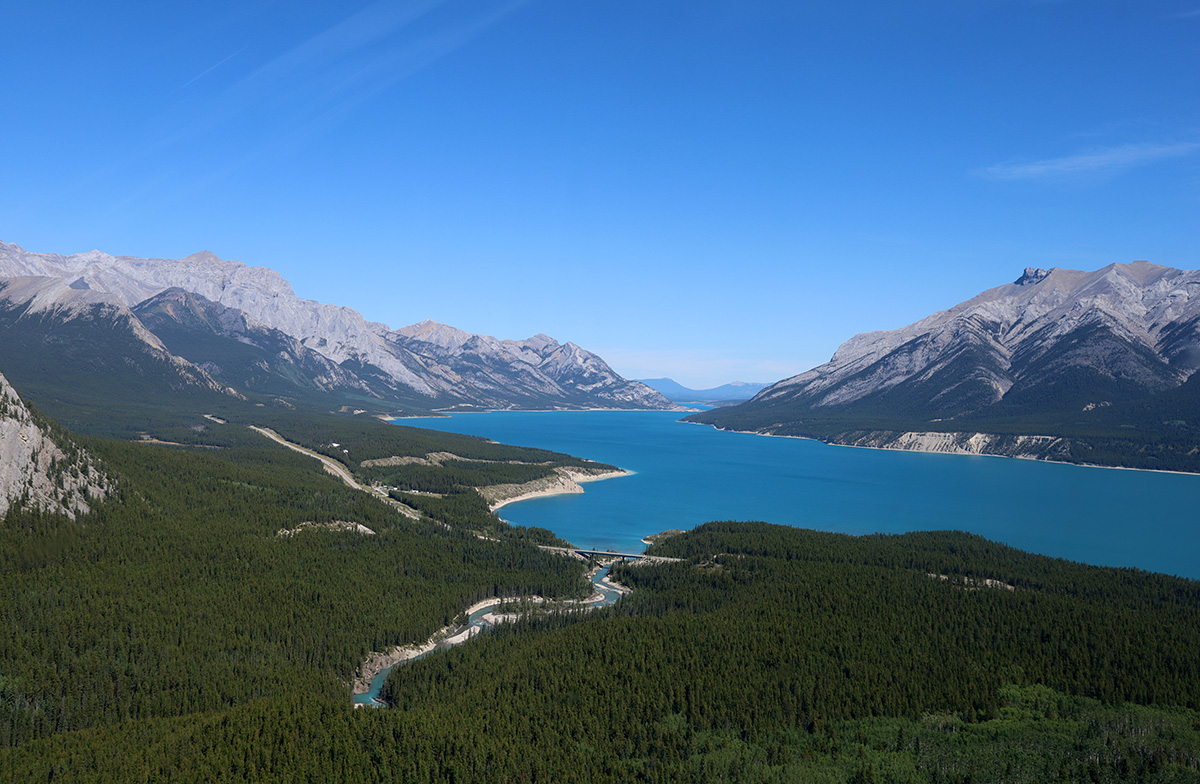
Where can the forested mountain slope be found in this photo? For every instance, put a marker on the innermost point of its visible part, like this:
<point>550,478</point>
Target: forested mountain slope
<point>324,348</point>
<point>771,654</point>
<point>1102,363</point>
<point>177,593</point>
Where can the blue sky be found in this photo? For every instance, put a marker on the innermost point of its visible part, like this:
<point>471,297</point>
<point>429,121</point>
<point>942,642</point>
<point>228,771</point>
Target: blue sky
<point>705,190</point>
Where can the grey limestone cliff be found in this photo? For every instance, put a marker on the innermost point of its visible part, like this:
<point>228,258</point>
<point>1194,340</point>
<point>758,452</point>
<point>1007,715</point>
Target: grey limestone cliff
<point>37,471</point>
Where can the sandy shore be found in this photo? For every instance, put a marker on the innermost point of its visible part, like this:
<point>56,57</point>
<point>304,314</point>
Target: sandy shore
<point>568,483</point>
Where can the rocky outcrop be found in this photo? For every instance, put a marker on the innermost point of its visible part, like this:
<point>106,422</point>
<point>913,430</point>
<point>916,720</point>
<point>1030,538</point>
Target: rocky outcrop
<point>38,472</point>
<point>498,495</point>
<point>1037,447</point>
<point>434,459</point>
<point>336,525</point>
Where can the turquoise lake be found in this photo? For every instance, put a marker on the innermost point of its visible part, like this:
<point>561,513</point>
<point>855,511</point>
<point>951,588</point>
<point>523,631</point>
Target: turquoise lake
<point>689,474</point>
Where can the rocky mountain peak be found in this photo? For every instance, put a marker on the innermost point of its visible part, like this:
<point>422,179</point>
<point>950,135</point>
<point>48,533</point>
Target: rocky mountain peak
<point>203,257</point>
<point>576,353</point>
<point>443,335</point>
<point>1032,276</point>
<point>534,349</point>
<point>420,326</point>
<point>187,308</point>
<point>1141,272</point>
<point>1060,360</point>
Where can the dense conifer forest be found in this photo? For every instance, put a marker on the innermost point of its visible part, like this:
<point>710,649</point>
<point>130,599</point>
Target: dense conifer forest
<point>178,594</point>
<point>173,635</point>
<point>1152,432</point>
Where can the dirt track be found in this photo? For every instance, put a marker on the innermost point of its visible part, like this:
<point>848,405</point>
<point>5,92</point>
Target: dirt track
<point>337,469</point>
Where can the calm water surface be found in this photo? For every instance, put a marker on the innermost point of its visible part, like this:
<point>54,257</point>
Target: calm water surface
<point>689,474</point>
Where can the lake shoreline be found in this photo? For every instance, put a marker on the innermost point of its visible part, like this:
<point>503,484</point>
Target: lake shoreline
<point>956,453</point>
<point>447,413</point>
<point>687,478</point>
<point>568,482</point>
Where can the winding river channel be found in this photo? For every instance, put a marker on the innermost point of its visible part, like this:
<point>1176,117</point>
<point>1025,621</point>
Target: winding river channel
<point>481,620</point>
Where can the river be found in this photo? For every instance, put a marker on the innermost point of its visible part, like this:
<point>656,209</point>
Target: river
<point>603,596</point>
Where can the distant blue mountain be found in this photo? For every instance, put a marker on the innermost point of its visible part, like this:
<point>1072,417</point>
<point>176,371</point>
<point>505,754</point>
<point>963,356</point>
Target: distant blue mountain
<point>678,393</point>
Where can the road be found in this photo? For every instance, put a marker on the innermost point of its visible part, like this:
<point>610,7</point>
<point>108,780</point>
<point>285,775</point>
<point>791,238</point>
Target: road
<point>608,554</point>
<point>337,469</point>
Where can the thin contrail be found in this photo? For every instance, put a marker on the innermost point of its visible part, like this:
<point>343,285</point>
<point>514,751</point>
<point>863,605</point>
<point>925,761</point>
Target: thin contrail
<point>210,70</point>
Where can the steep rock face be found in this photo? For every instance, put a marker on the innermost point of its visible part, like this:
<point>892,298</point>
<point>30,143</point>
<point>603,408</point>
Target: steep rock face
<point>444,365</point>
<point>1052,338</point>
<point>53,329</point>
<point>239,352</point>
<point>338,333</point>
<point>38,472</point>
<point>541,367</point>
<point>1035,447</point>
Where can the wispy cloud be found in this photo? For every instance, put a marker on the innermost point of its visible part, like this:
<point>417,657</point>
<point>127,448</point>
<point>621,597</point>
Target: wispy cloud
<point>1186,15</point>
<point>1104,161</point>
<point>313,87</point>
<point>346,40</point>
<point>302,93</point>
<point>207,71</point>
<point>280,109</point>
<point>369,51</point>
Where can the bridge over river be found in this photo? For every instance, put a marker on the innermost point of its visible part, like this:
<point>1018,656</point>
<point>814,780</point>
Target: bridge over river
<point>652,559</point>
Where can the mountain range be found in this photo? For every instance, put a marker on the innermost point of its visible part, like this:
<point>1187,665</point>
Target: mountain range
<point>1058,364</point>
<point>1096,367</point>
<point>678,393</point>
<point>199,327</point>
